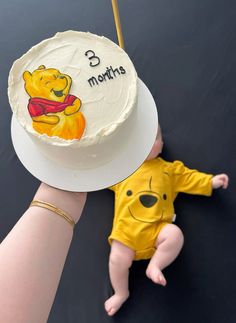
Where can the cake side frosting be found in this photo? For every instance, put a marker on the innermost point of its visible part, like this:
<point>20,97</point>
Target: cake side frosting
<point>103,78</point>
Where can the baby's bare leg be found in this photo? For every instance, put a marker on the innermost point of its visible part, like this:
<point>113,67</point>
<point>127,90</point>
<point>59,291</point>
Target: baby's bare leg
<point>169,243</point>
<point>121,258</point>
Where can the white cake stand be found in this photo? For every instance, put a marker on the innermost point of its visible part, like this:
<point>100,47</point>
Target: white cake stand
<point>140,136</point>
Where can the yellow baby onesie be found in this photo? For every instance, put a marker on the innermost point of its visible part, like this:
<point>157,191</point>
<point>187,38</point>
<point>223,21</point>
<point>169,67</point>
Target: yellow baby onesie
<point>144,202</point>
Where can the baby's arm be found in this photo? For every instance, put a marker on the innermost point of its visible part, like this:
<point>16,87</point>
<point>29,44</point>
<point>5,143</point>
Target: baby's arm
<point>221,180</point>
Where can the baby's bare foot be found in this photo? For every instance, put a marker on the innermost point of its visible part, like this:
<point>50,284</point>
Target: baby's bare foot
<point>155,274</point>
<point>113,304</point>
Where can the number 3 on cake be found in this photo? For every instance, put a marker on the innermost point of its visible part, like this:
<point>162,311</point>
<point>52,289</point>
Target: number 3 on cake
<point>53,110</point>
<point>95,60</point>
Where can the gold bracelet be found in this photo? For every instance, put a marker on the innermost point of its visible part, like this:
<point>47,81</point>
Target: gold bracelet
<point>54,209</point>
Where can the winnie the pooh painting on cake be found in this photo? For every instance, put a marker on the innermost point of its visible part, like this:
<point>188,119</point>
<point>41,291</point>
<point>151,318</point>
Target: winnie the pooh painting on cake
<point>53,110</point>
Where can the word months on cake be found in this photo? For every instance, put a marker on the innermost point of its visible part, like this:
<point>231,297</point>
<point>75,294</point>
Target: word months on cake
<point>53,110</point>
<point>109,74</point>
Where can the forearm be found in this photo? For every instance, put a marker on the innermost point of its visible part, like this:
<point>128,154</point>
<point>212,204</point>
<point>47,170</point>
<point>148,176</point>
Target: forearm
<point>32,257</point>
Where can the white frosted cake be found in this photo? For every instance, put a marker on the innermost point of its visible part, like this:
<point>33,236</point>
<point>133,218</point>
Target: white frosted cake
<point>73,94</point>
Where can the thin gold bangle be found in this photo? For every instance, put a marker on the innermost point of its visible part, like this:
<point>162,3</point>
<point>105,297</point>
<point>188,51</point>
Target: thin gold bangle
<point>54,209</point>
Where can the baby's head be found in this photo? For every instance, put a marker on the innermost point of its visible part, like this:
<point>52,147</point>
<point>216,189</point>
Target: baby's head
<point>157,147</point>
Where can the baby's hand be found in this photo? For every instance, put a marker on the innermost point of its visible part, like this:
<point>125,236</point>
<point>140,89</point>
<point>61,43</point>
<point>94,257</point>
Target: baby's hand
<point>221,180</point>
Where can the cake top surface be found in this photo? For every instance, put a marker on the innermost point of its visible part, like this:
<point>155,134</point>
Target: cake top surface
<point>77,74</point>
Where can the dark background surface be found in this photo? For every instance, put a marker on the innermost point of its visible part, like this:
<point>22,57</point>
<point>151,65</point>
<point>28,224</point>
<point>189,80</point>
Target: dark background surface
<point>185,51</point>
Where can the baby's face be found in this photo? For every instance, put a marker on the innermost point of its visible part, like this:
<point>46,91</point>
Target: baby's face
<point>157,147</point>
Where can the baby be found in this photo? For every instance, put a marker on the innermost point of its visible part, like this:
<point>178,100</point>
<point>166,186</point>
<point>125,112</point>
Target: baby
<point>144,211</point>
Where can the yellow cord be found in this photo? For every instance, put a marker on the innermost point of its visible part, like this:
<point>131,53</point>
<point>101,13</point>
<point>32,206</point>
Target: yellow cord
<point>117,23</point>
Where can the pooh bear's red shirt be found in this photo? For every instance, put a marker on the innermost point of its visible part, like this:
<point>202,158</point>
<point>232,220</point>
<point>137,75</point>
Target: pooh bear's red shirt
<point>39,106</point>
